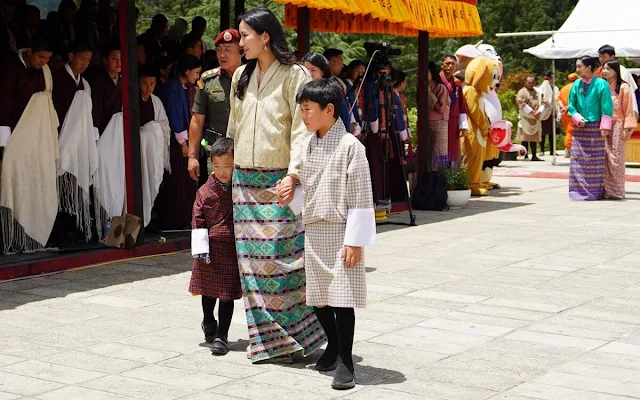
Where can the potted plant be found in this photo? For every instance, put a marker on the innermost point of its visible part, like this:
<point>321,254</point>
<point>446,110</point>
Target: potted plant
<point>457,177</point>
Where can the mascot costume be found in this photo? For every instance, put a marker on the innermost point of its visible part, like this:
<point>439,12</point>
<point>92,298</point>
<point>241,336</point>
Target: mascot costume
<point>491,108</point>
<point>481,76</point>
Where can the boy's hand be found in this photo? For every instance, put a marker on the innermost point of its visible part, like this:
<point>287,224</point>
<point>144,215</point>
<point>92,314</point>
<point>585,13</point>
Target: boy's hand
<point>285,189</point>
<point>351,256</point>
<point>185,149</point>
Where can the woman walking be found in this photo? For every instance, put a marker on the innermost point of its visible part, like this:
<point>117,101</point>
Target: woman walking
<point>178,192</point>
<point>624,123</point>
<point>266,125</point>
<point>439,103</point>
<point>590,108</point>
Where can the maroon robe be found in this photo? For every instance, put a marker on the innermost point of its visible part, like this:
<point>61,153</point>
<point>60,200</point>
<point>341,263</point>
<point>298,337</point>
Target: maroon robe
<point>18,84</point>
<point>147,112</point>
<point>458,106</point>
<point>107,98</point>
<point>64,90</point>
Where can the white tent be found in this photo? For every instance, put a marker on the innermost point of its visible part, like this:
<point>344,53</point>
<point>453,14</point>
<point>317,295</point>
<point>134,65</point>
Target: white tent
<point>594,23</point>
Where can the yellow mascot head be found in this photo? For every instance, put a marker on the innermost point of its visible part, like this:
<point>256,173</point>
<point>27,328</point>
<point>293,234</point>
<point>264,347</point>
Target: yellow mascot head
<point>483,74</point>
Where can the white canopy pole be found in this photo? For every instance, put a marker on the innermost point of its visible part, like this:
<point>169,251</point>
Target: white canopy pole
<point>553,79</point>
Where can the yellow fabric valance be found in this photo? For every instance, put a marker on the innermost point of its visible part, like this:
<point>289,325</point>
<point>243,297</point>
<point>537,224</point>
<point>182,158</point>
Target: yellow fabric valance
<point>441,18</point>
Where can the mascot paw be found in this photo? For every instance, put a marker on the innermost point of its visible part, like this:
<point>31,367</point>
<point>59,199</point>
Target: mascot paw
<point>479,191</point>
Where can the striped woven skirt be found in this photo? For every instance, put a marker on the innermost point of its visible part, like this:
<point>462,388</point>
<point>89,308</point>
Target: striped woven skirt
<point>270,247</point>
<point>586,174</point>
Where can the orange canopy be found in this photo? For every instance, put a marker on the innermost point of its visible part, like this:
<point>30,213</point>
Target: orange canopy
<point>441,18</point>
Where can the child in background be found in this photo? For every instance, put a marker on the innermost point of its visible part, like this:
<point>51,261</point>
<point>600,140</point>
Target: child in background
<point>215,273</point>
<point>339,220</point>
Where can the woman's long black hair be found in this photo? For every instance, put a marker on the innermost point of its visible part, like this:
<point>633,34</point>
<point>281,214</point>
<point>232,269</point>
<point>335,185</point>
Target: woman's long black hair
<point>435,73</point>
<point>615,66</point>
<point>320,61</point>
<point>262,20</point>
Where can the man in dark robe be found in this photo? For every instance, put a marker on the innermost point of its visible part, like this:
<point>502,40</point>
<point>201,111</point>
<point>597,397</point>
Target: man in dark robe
<point>66,82</point>
<point>458,110</point>
<point>153,39</point>
<point>20,78</point>
<point>106,90</point>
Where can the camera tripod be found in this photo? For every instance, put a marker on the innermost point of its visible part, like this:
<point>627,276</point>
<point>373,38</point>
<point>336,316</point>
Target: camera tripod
<point>388,126</point>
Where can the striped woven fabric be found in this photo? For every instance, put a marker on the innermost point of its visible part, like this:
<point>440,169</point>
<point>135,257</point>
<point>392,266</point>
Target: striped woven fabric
<point>586,174</point>
<point>270,247</point>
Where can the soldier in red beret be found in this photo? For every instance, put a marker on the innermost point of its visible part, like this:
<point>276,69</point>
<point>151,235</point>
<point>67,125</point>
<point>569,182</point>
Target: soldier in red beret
<point>212,99</point>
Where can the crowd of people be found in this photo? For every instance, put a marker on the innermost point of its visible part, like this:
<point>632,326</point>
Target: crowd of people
<point>598,110</point>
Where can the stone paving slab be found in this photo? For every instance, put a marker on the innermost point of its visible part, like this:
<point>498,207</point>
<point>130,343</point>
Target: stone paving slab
<point>519,296</point>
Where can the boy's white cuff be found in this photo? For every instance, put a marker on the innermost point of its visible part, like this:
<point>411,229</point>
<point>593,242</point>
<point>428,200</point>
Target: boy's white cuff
<point>361,227</point>
<point>5,133</point>
<point>298,200</point>
<point>527,109</point>
<point>199,241</point>
<point>463,123</point>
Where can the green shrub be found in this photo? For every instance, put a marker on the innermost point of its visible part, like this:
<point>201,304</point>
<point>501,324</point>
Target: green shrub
<point>457,177</point>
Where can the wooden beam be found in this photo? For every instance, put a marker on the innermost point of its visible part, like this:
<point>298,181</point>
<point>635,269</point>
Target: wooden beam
<point>225,14</point>
<point>238,11</point>
<point>422,95</point>
<point>304,33</point>
<point>131,110</point>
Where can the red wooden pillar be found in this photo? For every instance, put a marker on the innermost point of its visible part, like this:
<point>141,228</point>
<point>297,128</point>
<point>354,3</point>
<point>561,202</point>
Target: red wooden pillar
<point>130,110</point>
<point>303,29</point>
<point>422,96</point>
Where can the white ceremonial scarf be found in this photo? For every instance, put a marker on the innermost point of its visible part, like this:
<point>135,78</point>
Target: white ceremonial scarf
<point>154,149</point>
<point>78,160</point>
<point>109,183</point>
<point>548,98</point>
<point>29,194</point>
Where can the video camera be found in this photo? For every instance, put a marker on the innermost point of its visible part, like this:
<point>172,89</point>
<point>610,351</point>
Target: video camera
<point>385,50</point>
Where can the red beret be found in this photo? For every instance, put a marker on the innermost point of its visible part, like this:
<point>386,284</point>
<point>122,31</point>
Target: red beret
<point>227,36</point>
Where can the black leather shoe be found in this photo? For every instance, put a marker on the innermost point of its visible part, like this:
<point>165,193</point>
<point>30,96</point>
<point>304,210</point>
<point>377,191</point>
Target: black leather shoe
<point>219,347</point>
<point>209,331</point>
<point>344,379</point>
<point>535,158</point>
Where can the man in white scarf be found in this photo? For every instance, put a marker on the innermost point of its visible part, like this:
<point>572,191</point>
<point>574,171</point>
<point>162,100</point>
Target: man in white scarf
<point>29,135</point>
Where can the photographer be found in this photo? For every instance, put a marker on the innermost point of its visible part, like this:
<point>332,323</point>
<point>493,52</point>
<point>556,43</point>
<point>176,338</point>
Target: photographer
<point>383,142</point>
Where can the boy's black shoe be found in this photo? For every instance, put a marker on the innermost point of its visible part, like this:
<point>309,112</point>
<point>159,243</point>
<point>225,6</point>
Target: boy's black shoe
<point>219,347</point>
<point>209,331</point>
<point>328,361</point>
<point>344,378</point>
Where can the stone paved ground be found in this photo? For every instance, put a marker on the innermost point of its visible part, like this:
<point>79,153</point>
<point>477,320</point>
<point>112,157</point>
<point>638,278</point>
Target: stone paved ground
<point>518,296</point>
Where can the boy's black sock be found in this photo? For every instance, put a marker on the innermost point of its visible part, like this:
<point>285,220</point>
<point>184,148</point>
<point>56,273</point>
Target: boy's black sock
<point>327,319</point>
<point>208,305</point>
<point>225,313</point>
<point>345,324</point>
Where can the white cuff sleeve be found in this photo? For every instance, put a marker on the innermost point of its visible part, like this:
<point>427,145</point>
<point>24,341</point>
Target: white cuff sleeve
<point>352,119</point>
<point>527,109</point>
<point>541,108</point>
<point>199,241</point>
<point>463,123</point>
<point>375,127</point>
<point>298,200</point>
<point>358,130</point>
<point>361,228</point>
<point>403,135</point>
<point>96,133</point>
<point>5,132</point>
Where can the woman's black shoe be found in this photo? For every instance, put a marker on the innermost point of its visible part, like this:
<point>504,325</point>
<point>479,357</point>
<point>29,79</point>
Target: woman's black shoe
<point>209,331</point>
<point>219,347</point>
<point>344,379</point>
